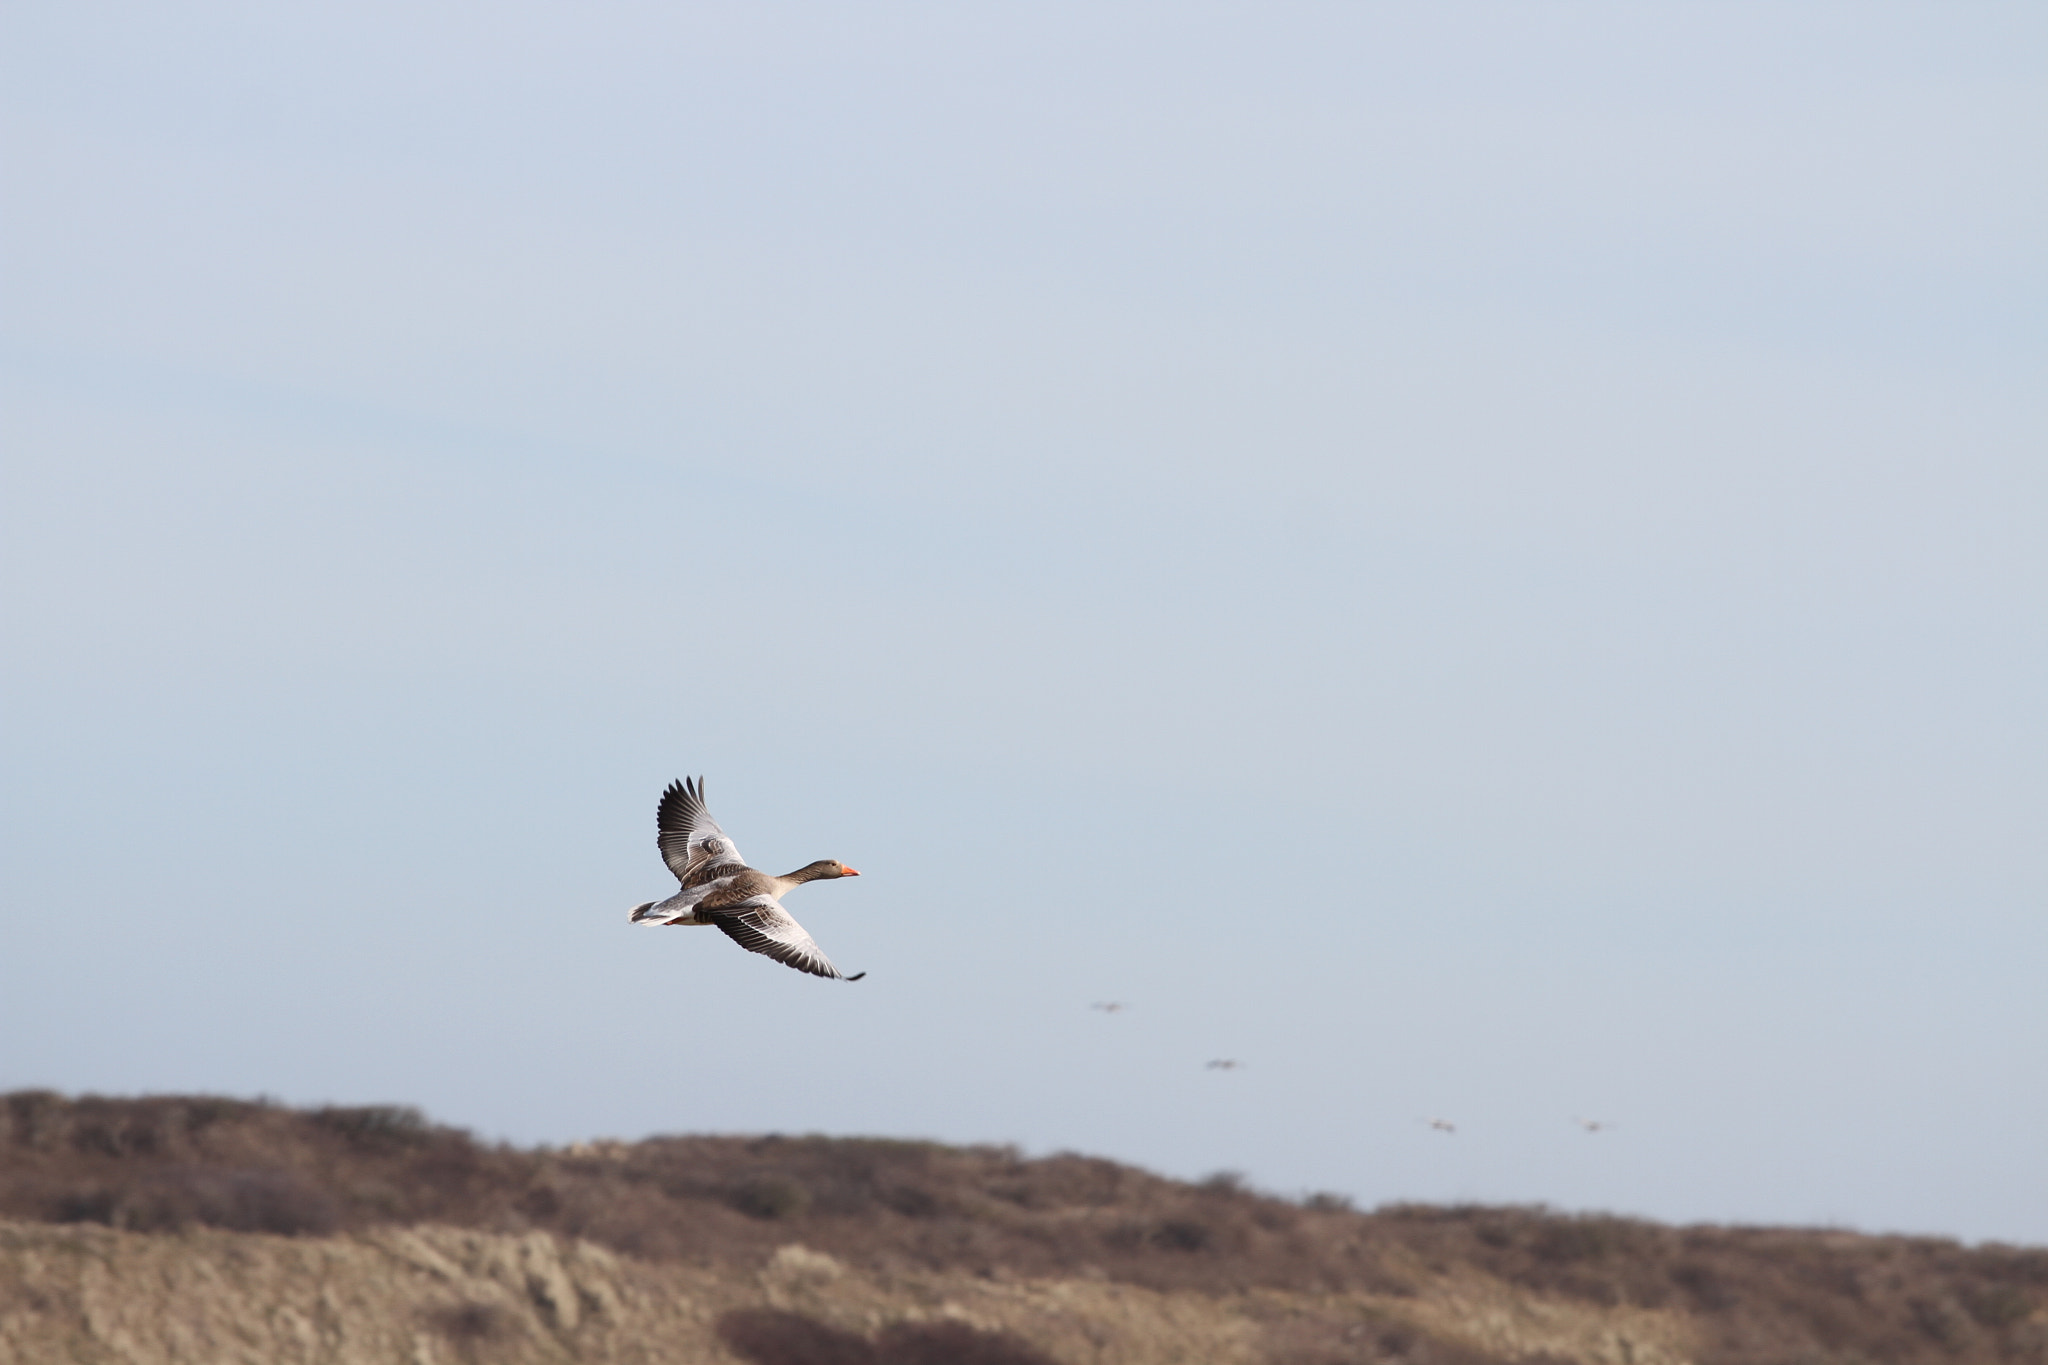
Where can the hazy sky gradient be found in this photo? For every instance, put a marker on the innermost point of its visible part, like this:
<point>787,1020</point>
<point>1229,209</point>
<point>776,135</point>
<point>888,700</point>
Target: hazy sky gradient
<point>1487,560</point>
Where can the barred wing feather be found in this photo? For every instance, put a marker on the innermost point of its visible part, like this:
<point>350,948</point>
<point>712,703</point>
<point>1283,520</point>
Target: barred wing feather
<point>689,839</point>
<point>762,926</point>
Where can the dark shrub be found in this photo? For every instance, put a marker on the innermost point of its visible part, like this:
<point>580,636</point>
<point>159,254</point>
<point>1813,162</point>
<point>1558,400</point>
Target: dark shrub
<point>1182,1234</point>
<point>237,1200</point>
<point>912,1201</point>
<point>1126,1236</point>
<point>767,1337</point>
<point>466,1322</point>
<point>1566,1240</point>
<point>102,1130</point>
<point>1942,1319</point>
<point>35,1117</point>
<point>83,1206</point>
<point>1703,1283</point>
<point>1998,1305</point>
<point>376,1125</point>
<point>771,1198</point>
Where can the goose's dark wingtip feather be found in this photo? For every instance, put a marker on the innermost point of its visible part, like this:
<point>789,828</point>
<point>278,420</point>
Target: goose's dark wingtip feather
<point>681,805</point>
<point>856,976</point>
<point>670,794</point>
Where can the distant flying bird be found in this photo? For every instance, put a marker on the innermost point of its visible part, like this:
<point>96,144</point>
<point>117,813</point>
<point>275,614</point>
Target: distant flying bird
<point>720,889</point>
<point>1442,1125</point>
<point>1110,1006</point>
<point>1593,1125</point>
<point>1225,1064</point>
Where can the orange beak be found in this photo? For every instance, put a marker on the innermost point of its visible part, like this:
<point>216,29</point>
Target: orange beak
<point>849,871</point>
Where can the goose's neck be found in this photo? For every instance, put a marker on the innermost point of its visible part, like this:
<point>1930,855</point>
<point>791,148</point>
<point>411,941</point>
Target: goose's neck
<point>809,873</point>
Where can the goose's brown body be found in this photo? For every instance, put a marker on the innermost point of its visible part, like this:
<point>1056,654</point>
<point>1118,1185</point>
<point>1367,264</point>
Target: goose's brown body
<point>718,888</point>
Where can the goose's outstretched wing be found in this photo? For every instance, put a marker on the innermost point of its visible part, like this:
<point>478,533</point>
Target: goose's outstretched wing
<point>760,925</point>
<point>689,839</point>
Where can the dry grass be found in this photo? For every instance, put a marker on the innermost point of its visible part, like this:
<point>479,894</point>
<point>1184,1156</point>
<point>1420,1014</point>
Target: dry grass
<point>1759,1296</point>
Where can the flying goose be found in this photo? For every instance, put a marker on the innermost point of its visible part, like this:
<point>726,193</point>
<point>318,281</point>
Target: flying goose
<point>719,888</point>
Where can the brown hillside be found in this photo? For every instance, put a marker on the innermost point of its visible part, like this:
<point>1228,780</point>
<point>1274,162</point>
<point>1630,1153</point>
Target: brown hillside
<point>1310,1283</point>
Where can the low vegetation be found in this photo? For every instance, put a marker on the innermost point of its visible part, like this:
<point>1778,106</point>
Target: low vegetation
<point>1750,1295</point>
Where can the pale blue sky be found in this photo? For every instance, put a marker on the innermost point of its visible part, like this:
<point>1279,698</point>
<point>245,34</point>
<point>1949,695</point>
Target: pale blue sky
<point>1488,560</point>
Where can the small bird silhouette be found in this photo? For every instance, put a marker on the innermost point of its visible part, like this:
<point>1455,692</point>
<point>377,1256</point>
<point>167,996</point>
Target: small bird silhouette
<point>1593,1125</point>
<point>1442,1125</point>
<point>1225,1064</point>
<point>1110,1006</point>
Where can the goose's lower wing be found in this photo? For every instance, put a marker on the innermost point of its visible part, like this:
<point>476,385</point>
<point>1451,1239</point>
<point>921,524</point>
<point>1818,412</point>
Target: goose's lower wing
<point>762,926</point>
